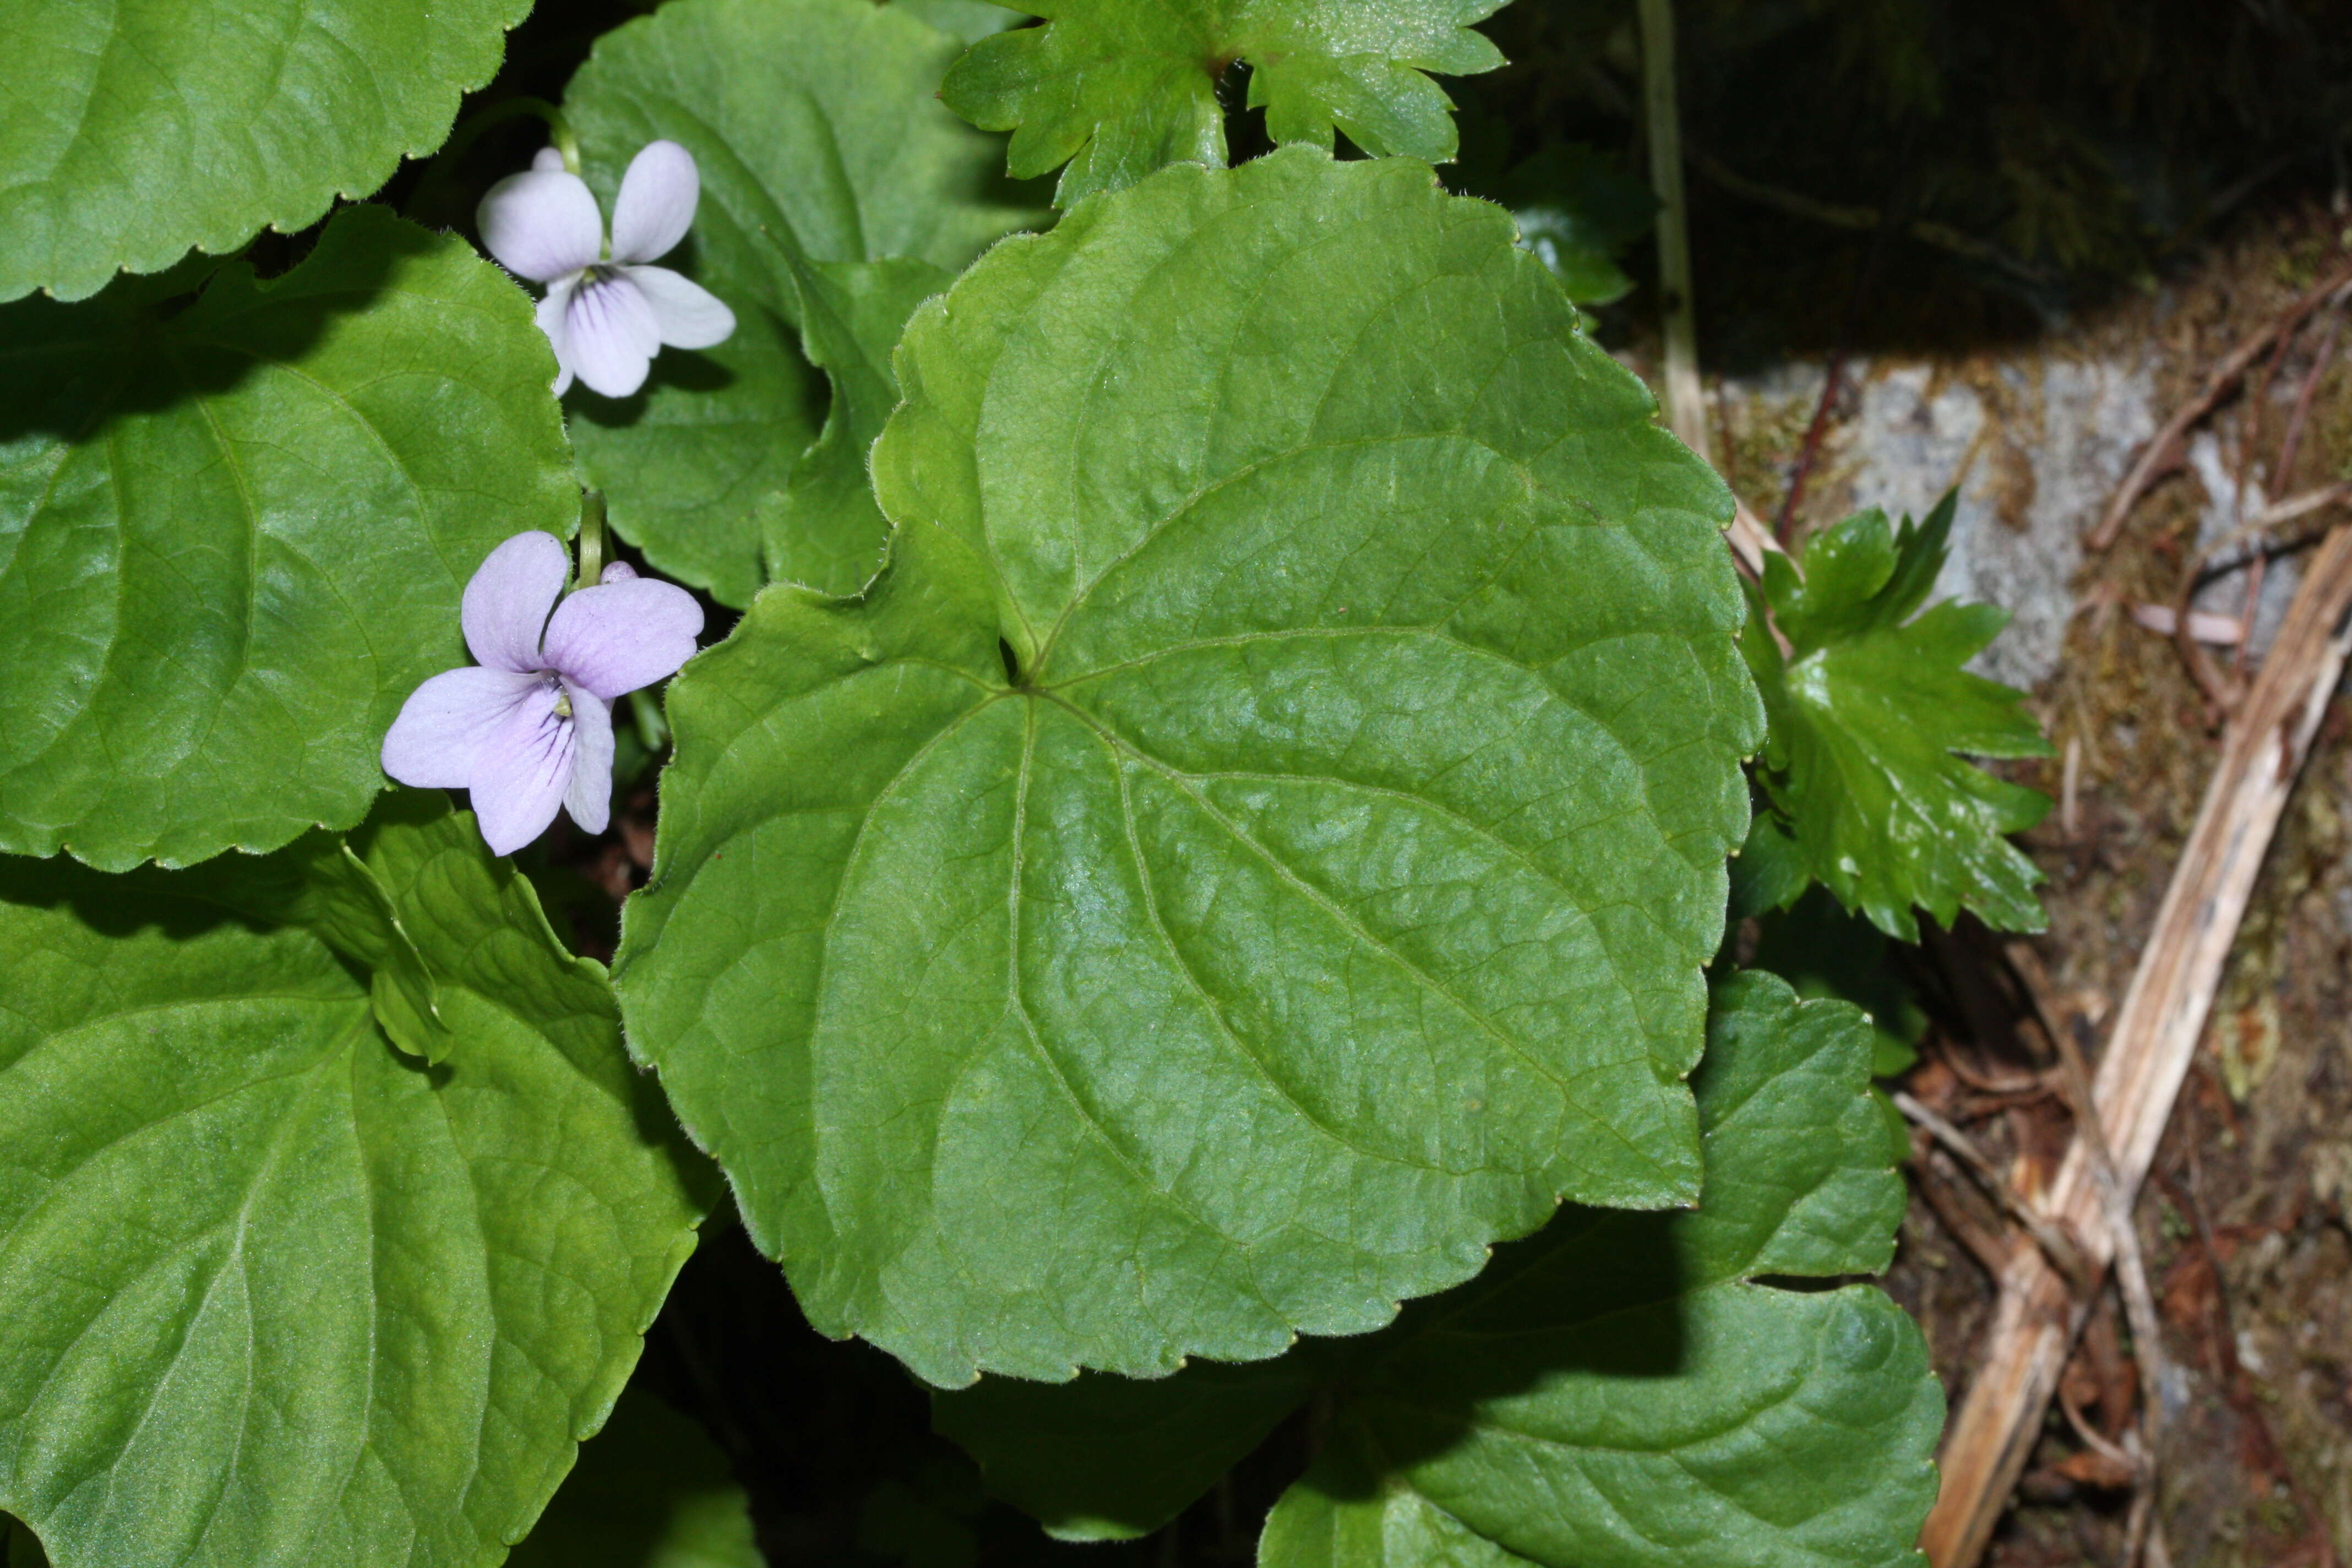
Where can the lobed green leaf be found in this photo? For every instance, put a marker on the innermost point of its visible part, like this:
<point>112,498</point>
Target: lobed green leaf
<point>822,146</point>
<point>1115,90</point>
<point>234,535</point>
<point>277,1294</point>
<point>133,130</point>
<point>1257,843</point>
<point>1871,715</point>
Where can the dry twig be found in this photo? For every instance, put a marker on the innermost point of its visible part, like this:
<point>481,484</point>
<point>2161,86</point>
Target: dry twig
<point>2053,1240</point>
<point>2283,474</point>
<point>2131,1269</point>
<point>2163,454</point>
<point>2224,691</point>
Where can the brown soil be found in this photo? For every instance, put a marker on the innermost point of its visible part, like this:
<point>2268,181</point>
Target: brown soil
<point>2244,1226</point>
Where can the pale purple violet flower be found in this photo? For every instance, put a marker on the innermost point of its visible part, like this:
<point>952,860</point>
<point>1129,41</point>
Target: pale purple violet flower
<point>531,727</point>
<point>607,317</point>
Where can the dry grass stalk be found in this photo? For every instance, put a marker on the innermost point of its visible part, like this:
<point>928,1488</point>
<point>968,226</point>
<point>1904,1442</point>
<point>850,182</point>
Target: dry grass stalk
<point>2148,1054</point>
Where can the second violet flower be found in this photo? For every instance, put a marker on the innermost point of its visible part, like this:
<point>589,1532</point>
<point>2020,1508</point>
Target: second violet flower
<point>606,315</point>
<point>528,729</point>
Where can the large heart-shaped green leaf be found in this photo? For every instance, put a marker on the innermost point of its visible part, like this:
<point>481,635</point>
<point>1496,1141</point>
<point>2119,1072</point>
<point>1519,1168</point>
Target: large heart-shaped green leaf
<point>1256,843</point>
<point>132,130</point>
<point>1117,89</point>
<point>1614,1393</point>
<point>276,1293</point>
<point>233,536</point>
<point>820,141</point>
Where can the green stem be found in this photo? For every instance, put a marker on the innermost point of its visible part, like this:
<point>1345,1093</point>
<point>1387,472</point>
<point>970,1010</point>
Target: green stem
<point>1685,395</point>
<point>592,539</point>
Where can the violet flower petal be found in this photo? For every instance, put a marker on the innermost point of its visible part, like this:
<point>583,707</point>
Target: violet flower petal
<point>588,797</point>
<point>617,637</point>
<point>540,225</point>
<point>441,728</point>
<point>656,205</point>
<point>618,572</point>
<point>687,315</point>
<point>522,770</point>
<point>548,160</point>
<point>506,603</point>
<point>611,332</point>
<point>550,317</point>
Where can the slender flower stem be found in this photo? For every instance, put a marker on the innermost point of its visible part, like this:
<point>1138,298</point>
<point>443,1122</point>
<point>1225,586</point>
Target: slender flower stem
<point>592,539</point>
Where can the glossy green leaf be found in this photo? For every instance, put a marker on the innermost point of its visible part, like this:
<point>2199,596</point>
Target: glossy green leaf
<point>1255,844</point>
<point>822,143</point>
<point>1872,716</point>
<point>1115,90</point>
<point>1614,1393</point>
<point>1770,871</point>
<point>276,1293</point>
<point>233,536</point>
<point>133,130</point>
<point>651,1490</point>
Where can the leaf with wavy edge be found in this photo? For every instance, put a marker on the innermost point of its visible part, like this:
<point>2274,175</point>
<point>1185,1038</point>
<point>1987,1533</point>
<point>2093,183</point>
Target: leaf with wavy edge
<point>133,130</point>
<point>277,1296</point>
<point>233,538</point>
<point>1255,845</point>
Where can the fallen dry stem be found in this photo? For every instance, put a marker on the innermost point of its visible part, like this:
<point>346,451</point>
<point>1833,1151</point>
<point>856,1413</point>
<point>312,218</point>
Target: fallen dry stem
<point>2161,455</point>
<point>2225,692</point>
<point>2053,1240</point>
<point>2148,1053</point>
<point>2131,1268</point>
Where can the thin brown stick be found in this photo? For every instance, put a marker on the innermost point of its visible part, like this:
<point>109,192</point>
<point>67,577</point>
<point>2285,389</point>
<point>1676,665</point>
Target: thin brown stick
<point>2284,475</point>
<point>2131,1269</point>
<point>1990,1251</point>
<point>2051,1238</point>
<point>1810,449</point>
<point>2161,454</point>
<point>2148,1054</point>
<point>2223,692</point>
<point>2031,1086</point>
<point>2258,566</point>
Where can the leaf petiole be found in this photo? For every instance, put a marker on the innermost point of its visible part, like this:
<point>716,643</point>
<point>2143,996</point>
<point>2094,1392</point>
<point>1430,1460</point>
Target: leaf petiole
<point>591,540</point>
